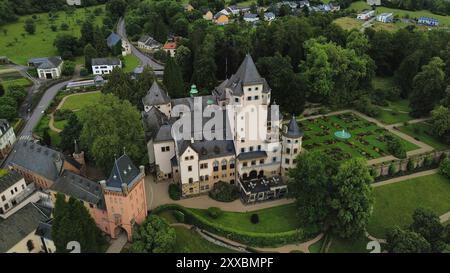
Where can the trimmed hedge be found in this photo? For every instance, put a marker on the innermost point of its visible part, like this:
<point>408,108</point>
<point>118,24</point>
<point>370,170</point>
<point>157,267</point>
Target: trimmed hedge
<point>174,192</point>
<point>245,237</point>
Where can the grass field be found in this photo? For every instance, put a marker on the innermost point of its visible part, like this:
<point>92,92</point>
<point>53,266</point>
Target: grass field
<point>395,203</point>
<point>359,6</point>
<point>131,62</point>
<point>189,241</point>
<point>19,46</point>
<point>76,102</point>
<point>276,219</point>
<point>395,112</point>
<point>12,77</point>
<point>348,23</point>
<point>43,125</point>
<point>355,245</point>
<point>443,20</point>
<point>422,131</point>
<point>368,140</point>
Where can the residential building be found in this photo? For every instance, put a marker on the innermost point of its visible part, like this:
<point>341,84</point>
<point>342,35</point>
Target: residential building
<point>385,17</point>
<point>97,81</point>
<point>330,7</point>
<point>147,42</point>
<point>7,138</point>
<point>103,66</point>
<point>208,15</point>
<point>114,41</point>
<point>47,68</point>
<point>251,17</point>
<point>18,231</point>
<point>197,163</point>
<point>365,15</point>
<point>171,47</point>
<point>374,2</point>
<point>236,10</point>
<point>73,2</point>
<point>269,16</point>
<point>12,187</point>
<point>221,18</point>
<point>39,164</point>
<point>427,21</point>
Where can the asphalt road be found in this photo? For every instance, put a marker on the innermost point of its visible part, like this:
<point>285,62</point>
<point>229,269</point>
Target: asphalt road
<point>145,60</point>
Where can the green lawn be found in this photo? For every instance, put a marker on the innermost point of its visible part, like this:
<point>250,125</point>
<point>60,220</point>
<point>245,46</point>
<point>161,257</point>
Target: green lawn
<point>355,245</point>
<point>316,247</point>
<point>189,241</point>
<point>383,83</point>
<point>348,23</point>
<point>359,6</point>
<point>276,219</point>
<point>423,132</point>
<point>168,216</point>
<point>81,100</point>
<point>12,77</point>
<point>395,203</point>
<point>131,62</point>
<point>395,112</point>
<point>42,125</point>
<point>368,140</point>
<point>443,20</point>
<point>19,46</point>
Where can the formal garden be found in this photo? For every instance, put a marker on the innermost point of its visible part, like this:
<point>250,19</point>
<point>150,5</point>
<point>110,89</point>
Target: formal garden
<point>366,140</point>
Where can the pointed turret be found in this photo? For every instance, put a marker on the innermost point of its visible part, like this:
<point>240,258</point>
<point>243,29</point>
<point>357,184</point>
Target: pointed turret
<point>155,96</point>
<point>248,73</point>
<point>293,131</point>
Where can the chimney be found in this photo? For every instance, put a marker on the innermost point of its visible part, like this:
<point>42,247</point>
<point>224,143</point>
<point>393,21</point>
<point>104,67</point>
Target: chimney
<point>103,184</point>
<point>142,169</point>
<point>125,188</point>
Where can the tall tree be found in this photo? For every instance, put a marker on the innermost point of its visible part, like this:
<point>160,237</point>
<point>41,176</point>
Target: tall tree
<point>109,128</point>
<point>70,133</point>
<point>352,198</point>
<point>407,71</point>
<point>309,183</point>
<point>72,222</point>
<point>427,224</point>
<point>428,87</point>
<point>89,54</point>
<point>440,121</point>
<point>205,67</point>
<point>405,241</point>
<point>183,58</point>
<point>173,79</point>
<point>154,236</point>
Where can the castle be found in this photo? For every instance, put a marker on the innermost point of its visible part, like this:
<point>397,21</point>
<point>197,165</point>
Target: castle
<point>249,148</point>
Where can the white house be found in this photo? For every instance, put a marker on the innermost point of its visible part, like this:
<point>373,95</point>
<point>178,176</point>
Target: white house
<point>374,2</point>
<point>102,66</point>
<point>7,138</point>
<point>148,43</point>
<point>365,15</point>
<point>251,17</point>
<point>269,16</point>
<point>73,2</point>
<point>12,185</point>
<point>386,17</point>
<point>47,68</point>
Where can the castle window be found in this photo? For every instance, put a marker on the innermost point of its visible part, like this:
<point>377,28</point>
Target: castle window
<point>242,150</point>
<point>244,164</point>
<point>274,159</point>
<point>231,163</point>
<point>191,180</point>
<point>287,161</point>
<point>224,164</point>
<point>288,151</point>
<point>259,147</point>
<point>191,190</point>
<point>295,150</point>
<point>236,99</point>
<point>206,177</point>
<point>249,98</point>
<point>253,162</point>
<point>251,148</point>
<point>190,168</point>
<point>288,141</point>
<point>216,166</point>
<point>261,161</point>
<point>191,157</point>
<point>256,97</point>
<point>207,187</point>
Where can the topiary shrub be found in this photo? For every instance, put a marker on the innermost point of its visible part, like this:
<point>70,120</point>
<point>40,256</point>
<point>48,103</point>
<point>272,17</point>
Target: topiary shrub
<point>444,168</point>
<point>214,212</point>
<point>174,192</point>
<point>179,216</point>
<point>224,192</point>
<point>411,165</point>
<point>254,218</point>
<point>392,169</point>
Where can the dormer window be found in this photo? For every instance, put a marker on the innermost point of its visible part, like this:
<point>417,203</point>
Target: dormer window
<point>236,99</point>
<point>256,88</point>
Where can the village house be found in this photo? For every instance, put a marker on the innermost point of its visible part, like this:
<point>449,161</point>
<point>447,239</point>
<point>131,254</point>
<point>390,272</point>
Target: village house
<point>251,17</point>
<point>103,66</point>
<point>196,164</point>
<point>269,16</point>
<point>365,15</point>
<point>147,42</point>
<point>208,15</point>
<point>73,2</point>
<point>221,18</point>
<point>427,21</point>
<point>170,47</point>
<point>47,68</point>
<point>374,2</point>
<point>385,17</point>
<point>7,138</point>
<point>114,41</point>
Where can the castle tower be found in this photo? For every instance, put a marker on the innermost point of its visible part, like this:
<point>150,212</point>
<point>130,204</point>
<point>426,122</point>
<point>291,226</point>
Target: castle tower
<point>292,145</point>
<point>158,98</point>
<point>125,197</point>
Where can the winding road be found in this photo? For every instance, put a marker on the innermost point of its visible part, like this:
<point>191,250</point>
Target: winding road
<point>145,60</point>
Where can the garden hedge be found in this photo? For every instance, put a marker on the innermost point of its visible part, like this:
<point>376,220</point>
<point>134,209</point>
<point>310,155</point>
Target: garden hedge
<point>253,239</point>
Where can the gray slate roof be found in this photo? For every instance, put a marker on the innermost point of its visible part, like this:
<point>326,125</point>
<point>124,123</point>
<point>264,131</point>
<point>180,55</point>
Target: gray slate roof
<point>4,126</point>
<point>46,63</point>
<point>293,131</point>
<point>79,187</point>
<point>152,122</point>
<point>155,95</point>
<point>105,61</point>
<point>113,39</point>
<point>252,155</point>
<point>9,179</point>
<point>208,149</point>
<point>38,159</point>
<point>17,226</point>
<point>247,74</point>
<point>44,230</point>
<point>123,172</point>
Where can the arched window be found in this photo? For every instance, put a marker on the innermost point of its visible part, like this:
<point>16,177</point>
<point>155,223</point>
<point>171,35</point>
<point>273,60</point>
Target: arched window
<point>215,165</point>
<point>224,164</point>
<point>231,163</point>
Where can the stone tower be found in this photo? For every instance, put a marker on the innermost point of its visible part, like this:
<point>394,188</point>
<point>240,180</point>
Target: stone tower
<point>78,155</point>
<point>291,139</point>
